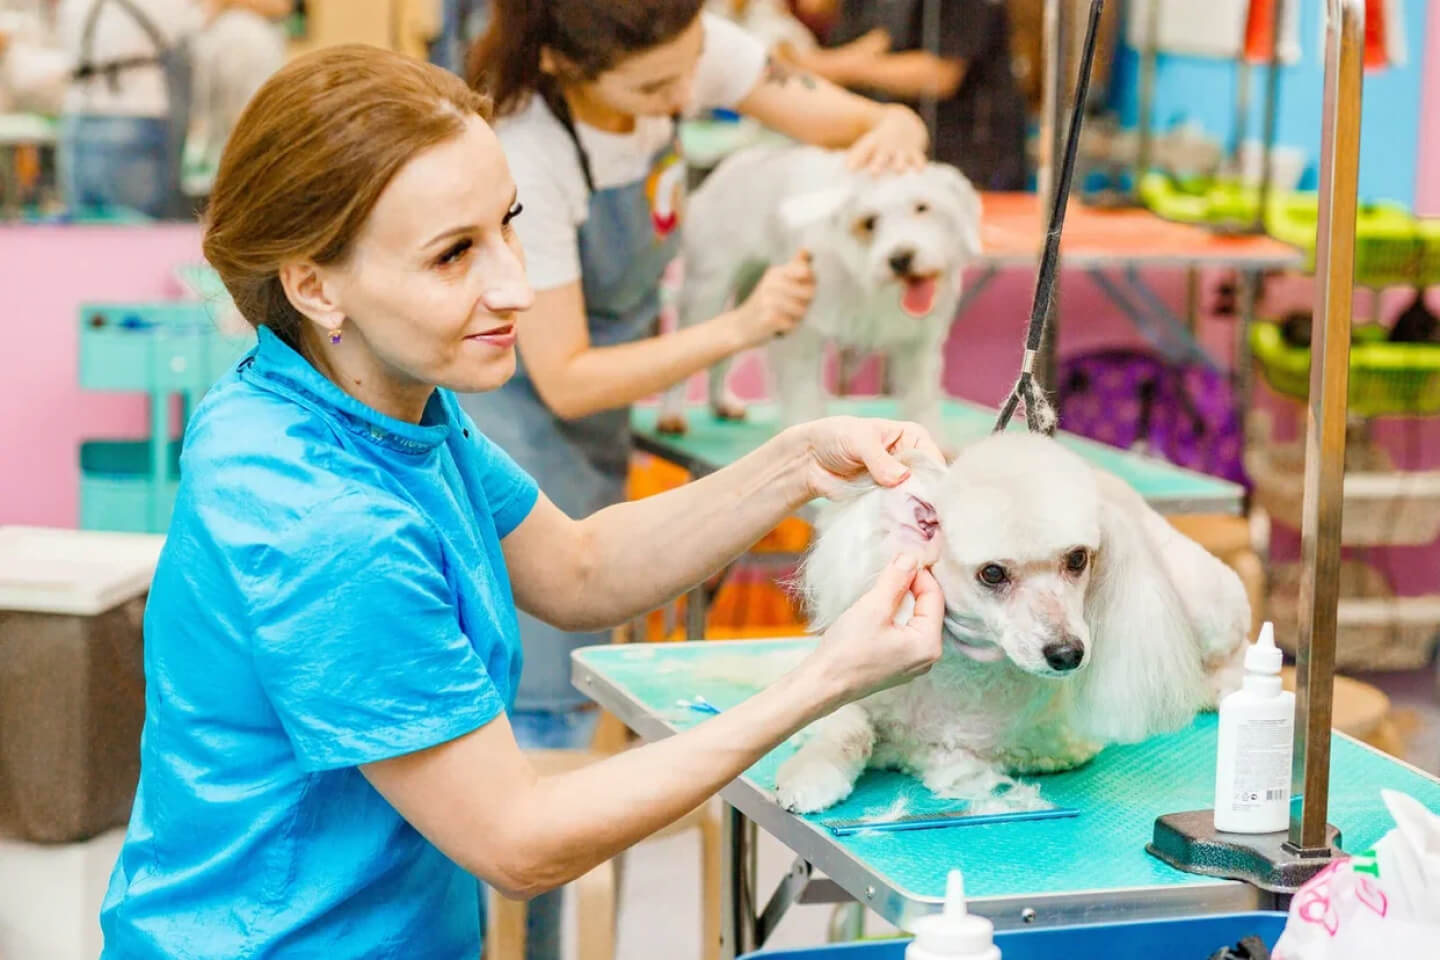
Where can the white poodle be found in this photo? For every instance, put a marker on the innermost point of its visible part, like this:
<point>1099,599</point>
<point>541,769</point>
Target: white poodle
<point>1076,616</point>
<point>887,252</point>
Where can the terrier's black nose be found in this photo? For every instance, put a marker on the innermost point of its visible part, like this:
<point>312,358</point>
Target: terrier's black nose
<point>1064,656</point>
<point>901,260</point>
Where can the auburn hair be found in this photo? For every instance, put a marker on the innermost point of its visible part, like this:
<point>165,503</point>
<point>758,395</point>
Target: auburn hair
<point>308,159</point>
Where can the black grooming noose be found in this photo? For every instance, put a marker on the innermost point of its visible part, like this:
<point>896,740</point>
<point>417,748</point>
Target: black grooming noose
<point>1039,414</point>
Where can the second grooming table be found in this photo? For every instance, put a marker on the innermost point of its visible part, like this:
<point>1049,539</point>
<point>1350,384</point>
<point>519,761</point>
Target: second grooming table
<point>1086,869</point>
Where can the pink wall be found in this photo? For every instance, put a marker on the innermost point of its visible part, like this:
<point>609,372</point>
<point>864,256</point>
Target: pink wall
<point>48,271</point>
<point>1427,169</point>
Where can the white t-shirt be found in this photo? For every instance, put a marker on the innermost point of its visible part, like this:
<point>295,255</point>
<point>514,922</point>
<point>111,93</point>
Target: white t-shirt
<point>547,170</point>
<point>140,91</point>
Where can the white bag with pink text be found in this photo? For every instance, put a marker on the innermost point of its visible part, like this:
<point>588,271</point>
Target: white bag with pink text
<point>1383,903</point>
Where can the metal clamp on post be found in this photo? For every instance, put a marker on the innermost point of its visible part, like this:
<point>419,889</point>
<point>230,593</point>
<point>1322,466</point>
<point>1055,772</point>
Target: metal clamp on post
<point>1282,862</point>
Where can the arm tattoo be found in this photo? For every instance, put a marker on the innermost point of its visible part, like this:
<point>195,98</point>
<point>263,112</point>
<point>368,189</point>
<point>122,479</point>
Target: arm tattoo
<point>780,74</point>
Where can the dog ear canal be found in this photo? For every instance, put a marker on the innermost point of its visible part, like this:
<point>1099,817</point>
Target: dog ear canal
<point>927,521</point>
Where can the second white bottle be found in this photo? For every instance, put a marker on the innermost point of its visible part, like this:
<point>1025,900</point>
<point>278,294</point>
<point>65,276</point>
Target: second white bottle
<point>1257,735</point>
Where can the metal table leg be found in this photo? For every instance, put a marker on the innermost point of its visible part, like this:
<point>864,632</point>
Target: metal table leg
<point>737,886</point>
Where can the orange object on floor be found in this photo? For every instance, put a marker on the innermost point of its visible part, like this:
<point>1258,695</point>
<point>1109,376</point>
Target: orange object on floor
<point>751,603</point>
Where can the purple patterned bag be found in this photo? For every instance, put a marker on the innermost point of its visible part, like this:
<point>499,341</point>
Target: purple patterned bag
<point>1184,412</point>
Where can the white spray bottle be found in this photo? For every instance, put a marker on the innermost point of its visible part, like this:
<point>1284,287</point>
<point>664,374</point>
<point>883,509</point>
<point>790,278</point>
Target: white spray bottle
<point>954,934</point>
<point>1257,735</point>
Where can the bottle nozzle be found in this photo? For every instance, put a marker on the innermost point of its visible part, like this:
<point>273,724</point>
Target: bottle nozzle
<point>955,894</point>
<point>1266,638</point>
<point>1264,657</point>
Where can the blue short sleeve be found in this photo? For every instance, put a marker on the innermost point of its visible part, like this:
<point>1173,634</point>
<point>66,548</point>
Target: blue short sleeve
<point>509,490</point>
<point>357,639</point>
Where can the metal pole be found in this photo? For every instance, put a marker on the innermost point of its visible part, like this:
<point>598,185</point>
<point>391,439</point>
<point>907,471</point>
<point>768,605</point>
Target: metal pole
<point>1052,108</point>
<point>1145,120</point>
<point>1272,108</point>
<point>1325,421</point>
<point>930,39</point>
<point>1052,147</point>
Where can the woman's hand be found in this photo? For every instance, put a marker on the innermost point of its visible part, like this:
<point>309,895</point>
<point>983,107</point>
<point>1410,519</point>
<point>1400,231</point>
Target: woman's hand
<point>866,651</point>
<point>839,449</point>
<point>896,143</point>
<point>778,303</point>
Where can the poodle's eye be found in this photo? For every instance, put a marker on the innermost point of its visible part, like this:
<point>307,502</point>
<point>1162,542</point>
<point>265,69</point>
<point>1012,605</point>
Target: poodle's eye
<point>866,225</point>
<point>922,208</point>
<point>993,575</point>
<point>1076,560</point>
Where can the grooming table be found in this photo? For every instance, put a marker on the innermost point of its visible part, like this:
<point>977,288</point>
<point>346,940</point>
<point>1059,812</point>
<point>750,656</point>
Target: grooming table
<point>709,444</point>
<point>1113,247</point>
<point>1087,869</point>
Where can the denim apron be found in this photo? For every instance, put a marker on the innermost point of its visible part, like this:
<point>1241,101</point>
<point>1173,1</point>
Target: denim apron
<point>121,161</point>
<point>625,245</point>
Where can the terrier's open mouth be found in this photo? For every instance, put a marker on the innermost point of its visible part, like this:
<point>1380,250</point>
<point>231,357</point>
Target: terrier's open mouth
<point>920,291</point>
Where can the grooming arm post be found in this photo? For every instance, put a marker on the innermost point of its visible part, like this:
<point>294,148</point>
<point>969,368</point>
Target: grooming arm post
<point>1325,419</point>
<point>1281,862</point>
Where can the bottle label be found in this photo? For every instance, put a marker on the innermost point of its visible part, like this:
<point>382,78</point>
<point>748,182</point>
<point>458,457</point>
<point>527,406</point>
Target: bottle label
<point>1262,777</point>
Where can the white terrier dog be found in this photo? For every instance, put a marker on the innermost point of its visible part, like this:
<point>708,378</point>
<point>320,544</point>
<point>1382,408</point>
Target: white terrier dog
<point>887,253</point>
<point>1076,616</point>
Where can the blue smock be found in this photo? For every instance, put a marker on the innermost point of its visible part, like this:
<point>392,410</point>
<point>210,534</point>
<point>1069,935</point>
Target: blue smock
<point>331,593</point>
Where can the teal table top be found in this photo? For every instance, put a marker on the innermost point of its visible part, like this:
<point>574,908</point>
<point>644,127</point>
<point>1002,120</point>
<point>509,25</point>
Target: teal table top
<point>710,443</point>
<point>1093,866</point>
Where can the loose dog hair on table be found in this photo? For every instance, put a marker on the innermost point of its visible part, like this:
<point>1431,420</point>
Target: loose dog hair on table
<point>888,254</point>
<point>1076,616</point>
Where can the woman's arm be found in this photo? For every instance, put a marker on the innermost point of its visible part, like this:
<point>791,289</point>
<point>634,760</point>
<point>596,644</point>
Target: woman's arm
<point>635,556</point>
<point>575,379</point>
<point>816,111</point>
<point>479,800</point>
<point>910,74</point>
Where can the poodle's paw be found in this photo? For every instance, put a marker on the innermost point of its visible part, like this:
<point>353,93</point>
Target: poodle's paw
<point>1065,753</point>
<point>809,783</point>
<point>672,423</point>
<point>728,407</point>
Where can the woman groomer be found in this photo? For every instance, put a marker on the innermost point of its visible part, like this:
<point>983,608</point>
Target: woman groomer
<point>330,636</point>
<point>587,93</point>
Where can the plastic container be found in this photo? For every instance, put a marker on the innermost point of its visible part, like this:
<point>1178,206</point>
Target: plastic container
<point>953,933</point>
<point>72,683</point>
<point>118,487</point>
<point>1386,379</point>
<point>1189,938</point>
<point>1256,735</point>
<point>51,906</point>
<point>1392,247</point>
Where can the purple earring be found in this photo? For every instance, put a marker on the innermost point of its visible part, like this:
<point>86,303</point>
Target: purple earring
<point>334,336</point>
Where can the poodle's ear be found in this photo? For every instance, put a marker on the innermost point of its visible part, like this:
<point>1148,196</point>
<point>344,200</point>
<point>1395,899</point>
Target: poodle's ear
<point>857,536</point>
<point>1145,674</point>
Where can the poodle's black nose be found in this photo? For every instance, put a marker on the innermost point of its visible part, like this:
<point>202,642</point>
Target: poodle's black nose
<point>901,261</point>
<point>1064,656</point>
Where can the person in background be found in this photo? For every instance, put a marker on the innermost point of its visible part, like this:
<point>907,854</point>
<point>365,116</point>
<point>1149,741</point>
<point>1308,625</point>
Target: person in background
<point>586,95</point>
<point>127,112</point>
<point>33,69</point>
<point>981,115</point>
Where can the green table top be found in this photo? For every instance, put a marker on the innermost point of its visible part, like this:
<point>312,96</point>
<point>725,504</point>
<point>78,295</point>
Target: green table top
<point>1095,862</point>
<point>710,443</point>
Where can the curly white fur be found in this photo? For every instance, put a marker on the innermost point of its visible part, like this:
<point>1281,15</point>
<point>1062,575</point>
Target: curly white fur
<point>1040,672</point>
<point>887,253</point>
